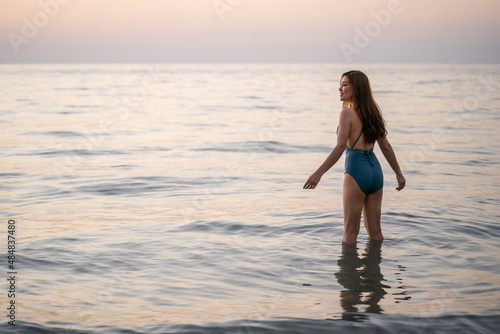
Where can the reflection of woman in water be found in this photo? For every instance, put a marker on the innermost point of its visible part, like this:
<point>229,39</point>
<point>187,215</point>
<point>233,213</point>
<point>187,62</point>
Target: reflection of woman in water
<point>360,125</point>
<point>361,278</point>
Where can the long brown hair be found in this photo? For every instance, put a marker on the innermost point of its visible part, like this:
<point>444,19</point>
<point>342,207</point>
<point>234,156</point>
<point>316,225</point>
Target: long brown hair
<point>366,107</point>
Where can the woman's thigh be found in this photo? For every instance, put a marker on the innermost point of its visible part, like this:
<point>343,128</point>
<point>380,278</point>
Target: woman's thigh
<point>372,211</point>
<point>354,200</point>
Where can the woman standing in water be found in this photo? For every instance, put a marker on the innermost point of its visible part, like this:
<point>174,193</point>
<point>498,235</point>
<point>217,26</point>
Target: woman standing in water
<point>360,125</point>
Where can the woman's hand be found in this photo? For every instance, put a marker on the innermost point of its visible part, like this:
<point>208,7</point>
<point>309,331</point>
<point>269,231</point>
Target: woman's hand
<point>312,181</point>
<point>401,182</point>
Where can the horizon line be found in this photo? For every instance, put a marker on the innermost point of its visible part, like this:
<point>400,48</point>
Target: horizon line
<point>243,63</point>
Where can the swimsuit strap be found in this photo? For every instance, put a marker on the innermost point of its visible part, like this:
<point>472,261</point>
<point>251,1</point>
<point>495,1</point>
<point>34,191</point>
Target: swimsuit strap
<point>357,140</point>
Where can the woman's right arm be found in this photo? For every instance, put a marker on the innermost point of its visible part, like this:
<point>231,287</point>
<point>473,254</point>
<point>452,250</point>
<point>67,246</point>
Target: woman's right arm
<point>345,119</point>
<point>390,156</point>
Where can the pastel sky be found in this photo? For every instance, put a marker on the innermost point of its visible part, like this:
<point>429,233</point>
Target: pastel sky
<point>360,31</point>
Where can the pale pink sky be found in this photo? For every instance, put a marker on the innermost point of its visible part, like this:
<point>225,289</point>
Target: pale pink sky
<point>438,31</point>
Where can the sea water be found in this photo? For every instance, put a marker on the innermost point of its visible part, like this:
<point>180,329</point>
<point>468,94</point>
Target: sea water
<point>167,198</point>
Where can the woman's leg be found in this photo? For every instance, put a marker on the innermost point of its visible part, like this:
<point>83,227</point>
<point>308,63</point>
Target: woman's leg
<point>371,215</point>
<point>354,199</point>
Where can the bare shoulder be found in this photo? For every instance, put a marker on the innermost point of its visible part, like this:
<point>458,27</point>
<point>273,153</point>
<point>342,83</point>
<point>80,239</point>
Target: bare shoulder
<point>348,113</point>
<point>346,118</point>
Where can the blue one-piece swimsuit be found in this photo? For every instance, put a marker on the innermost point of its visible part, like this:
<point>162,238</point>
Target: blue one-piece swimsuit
<point>364,167</point>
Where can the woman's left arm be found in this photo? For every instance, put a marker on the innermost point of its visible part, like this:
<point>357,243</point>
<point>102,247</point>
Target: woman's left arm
<point>390,156</point>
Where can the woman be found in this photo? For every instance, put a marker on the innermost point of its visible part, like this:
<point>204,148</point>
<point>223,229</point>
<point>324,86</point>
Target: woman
<point>360,125</point>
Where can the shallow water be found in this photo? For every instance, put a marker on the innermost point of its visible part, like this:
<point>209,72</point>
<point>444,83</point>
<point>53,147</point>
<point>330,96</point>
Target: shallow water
<point>168,198</point>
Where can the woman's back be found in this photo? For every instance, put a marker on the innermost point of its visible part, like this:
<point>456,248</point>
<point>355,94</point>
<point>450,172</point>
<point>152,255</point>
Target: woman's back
<point>355,130</point>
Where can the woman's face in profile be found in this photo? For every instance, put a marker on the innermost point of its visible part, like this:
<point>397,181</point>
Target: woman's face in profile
<point>346,91</point>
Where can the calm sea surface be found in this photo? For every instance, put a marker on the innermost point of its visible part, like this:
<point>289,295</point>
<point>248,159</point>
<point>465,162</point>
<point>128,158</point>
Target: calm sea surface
<point>168,199</point>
